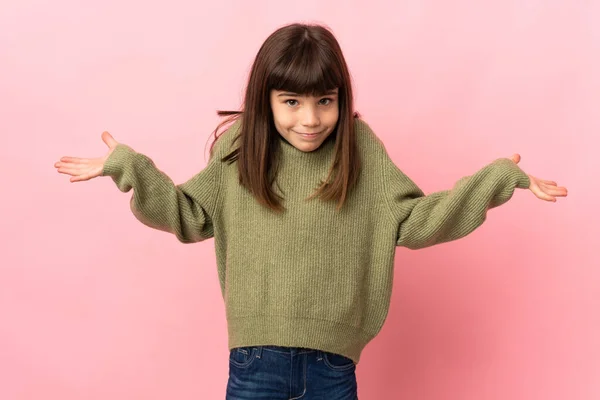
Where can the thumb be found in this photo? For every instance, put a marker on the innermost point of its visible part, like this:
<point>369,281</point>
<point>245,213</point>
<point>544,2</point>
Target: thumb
<point>516,158</point>
<point>109,140</point>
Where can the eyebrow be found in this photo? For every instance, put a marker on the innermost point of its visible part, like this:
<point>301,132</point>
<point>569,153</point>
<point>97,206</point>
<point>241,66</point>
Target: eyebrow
<point>330,92</point>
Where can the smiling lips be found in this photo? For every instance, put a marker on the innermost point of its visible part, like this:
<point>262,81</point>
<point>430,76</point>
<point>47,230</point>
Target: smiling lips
<point>309,135</point>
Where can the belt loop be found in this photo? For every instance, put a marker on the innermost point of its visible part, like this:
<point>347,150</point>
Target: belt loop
<point>259,351</point>
<point>319,355</point>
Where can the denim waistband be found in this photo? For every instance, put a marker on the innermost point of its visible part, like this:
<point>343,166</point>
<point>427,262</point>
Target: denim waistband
<point>286,350</point>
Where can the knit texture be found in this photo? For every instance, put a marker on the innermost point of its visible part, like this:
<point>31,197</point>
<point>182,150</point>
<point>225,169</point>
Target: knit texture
<point>312,276</point>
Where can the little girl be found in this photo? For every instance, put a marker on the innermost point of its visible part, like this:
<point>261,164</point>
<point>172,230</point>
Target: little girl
<point>306,209</point>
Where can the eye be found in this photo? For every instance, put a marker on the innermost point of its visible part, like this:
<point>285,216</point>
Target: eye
<point>326,101</point>
<point>291,105</point>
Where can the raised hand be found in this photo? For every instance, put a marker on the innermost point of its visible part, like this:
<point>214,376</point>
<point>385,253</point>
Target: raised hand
<point>83,169</point>
<point>545,190</point>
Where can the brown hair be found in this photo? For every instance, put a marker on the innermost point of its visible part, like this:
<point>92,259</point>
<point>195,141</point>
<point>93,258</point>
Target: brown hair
<point>304,59</point>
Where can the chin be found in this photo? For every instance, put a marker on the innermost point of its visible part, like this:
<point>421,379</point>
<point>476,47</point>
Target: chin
<point>307,147</point>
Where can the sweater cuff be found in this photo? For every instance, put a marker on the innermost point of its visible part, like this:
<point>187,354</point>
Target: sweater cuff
<point>514,173</point>
<point>115,163</point>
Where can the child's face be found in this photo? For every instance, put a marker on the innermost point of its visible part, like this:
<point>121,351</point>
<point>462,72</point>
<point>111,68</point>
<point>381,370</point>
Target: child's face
<point>297,115</point>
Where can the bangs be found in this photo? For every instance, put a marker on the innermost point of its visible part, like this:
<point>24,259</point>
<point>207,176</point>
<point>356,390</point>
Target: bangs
<point>306,69</point>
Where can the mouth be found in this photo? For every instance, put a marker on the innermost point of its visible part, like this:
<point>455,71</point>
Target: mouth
<point>309,135</point>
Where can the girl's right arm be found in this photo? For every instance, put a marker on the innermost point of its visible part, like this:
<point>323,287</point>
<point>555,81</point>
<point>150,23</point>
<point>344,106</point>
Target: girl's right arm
<point>184,210</point>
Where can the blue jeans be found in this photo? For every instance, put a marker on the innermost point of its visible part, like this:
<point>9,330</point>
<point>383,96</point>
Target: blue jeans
<point>286,373</point>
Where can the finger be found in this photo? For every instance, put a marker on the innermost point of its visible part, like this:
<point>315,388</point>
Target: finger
<point>76,160</point>
<point>546,197</point>
<point>550,185</point>
<point>516,158</point>
<point>72,171</point>
<point>541,193</point>
<point>554,191</point>
<point>91,173</point>
<point>83,177</point>
<point>109,140</point>
<point>548,182</point>
<point>70,165</point>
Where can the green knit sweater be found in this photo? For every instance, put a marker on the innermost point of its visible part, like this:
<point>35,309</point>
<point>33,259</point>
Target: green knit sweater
<point>312,276</point>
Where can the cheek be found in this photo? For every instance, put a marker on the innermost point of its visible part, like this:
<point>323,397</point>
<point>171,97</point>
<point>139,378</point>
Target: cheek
<point>332,117</point>
<point>282,118</point>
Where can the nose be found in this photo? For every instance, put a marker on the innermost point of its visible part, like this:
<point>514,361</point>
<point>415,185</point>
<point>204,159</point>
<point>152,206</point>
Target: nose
<point>310,117</point>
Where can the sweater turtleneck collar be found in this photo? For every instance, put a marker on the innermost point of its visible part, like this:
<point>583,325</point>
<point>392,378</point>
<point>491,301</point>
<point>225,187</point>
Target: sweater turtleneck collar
<point>324,151</point>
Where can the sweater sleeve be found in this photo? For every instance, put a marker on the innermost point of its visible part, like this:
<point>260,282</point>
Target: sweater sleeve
<point>184,210</point>
<point>448,215</point>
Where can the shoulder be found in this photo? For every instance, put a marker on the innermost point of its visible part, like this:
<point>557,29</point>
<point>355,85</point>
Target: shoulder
<point>224,143</point>
<point>368,142</point>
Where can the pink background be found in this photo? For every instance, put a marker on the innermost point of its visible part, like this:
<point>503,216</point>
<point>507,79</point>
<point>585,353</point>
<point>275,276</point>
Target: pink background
<point>94,305</point>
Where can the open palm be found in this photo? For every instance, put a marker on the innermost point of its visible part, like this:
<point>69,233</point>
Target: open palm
<point>83,169</point>
<point>543,189</point>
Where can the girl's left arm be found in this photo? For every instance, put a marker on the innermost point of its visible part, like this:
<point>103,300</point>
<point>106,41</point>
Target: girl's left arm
<point>448,215</point>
